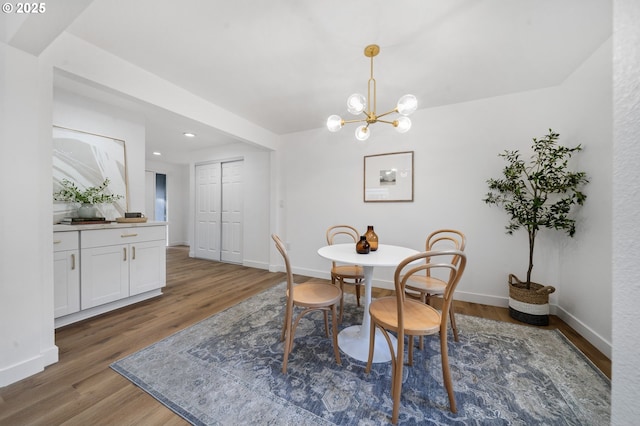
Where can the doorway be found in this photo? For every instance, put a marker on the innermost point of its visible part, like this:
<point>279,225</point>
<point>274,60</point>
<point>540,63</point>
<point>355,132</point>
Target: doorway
<point>219,211</point>
<point>156,196</point>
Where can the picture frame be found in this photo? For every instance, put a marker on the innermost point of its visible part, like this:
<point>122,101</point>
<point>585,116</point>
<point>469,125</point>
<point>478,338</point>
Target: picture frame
<point>87,159</point>
<point>388,177</point>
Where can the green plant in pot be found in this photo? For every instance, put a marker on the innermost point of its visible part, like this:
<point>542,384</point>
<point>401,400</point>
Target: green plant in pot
<point>538,194</point>
<point>70,193</point>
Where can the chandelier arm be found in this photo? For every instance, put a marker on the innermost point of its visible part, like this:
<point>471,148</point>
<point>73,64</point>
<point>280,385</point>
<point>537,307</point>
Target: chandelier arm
<point>388,112</point>
<point>354,121</point>
<point>388,122</point>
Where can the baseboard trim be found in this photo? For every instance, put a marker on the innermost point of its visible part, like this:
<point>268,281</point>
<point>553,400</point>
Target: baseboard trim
<point>255,264</point>
<point>101,309</point>
<point>28,367</point>
<point>50,355</point>
<point>585,331</point>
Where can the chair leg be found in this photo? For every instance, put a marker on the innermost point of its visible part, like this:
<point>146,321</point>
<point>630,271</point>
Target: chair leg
<point>372,343</point>
<point>446,372</point>
<point>396,379</point>
<point>410,360</point>
<point>326,323</point>
<point>286,321</point>
<point>287,348</point>
<point>424,299</point>
<point>453,322</point>
<point>333,281</point>
<point>358,293</point>
<point>341,299</point>
<point>334,322</point>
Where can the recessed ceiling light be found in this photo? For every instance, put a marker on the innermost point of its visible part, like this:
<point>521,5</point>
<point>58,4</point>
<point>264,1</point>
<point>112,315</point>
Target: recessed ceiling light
<point>189,134</point>
<point>157,153</point>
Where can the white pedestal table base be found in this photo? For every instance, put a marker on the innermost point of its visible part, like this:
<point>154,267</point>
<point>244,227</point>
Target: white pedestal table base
<point>354,341</point>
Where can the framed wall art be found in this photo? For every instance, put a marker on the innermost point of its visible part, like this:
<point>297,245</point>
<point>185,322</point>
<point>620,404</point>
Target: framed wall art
<point>87,159</point>
<point>388,177</point>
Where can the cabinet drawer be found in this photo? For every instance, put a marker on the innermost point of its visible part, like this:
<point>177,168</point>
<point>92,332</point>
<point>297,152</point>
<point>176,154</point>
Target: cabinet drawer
<point>109,237</point>
<point>65,241</point>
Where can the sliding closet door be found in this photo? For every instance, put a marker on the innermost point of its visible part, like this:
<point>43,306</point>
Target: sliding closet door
<point>219,217</point>
<point>232,212</point>
<point>208,200</point>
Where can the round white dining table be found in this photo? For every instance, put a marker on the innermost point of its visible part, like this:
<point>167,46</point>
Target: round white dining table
<point>354,340</point>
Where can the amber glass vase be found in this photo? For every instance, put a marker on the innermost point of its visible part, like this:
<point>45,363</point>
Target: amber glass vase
<point>372,238</point>
<point>362,246</point>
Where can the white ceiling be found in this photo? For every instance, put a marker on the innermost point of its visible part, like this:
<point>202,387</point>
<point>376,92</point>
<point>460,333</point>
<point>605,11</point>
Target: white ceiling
<point>287,65</point>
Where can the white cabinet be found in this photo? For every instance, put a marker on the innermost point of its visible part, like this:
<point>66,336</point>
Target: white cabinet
<point>98,268</point>
<point>148,266</point>
<point>66,273</point>
<point>105,275</point>
<point>122,262</point>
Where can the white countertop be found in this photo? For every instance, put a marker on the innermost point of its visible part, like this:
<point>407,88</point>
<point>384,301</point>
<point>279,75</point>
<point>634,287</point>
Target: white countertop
<point>112,225</point>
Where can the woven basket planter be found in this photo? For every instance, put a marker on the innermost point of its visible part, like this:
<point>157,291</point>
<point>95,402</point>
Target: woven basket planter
<point>531,305</point>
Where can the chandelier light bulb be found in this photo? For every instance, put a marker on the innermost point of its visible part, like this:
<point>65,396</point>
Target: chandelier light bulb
<point>334,123</point>
<point>407,104</point>
<point>356,103</point>
<point>362,133</point>
<point>403,124</point>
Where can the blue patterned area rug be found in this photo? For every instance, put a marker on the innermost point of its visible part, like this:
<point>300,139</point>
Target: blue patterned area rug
<point>225,370</point>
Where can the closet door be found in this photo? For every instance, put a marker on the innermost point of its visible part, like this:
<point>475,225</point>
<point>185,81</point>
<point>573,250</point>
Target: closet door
<point>232,195</point>
<point>208,211</point>
<point>219,207</point>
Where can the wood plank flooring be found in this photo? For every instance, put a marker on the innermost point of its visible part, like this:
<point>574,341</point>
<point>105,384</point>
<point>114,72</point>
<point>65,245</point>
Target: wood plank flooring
<point>81,389</point>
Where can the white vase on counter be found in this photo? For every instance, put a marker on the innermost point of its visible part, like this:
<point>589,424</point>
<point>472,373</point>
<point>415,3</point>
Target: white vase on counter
<point>87,211</point>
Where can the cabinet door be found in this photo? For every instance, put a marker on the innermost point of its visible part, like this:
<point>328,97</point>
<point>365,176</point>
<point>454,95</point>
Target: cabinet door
<point>66,282</point>
<point>104,275</point>
<point>147,266</point>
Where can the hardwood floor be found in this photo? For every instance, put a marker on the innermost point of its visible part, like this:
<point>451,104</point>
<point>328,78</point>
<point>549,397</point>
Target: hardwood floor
<point>81,389</point>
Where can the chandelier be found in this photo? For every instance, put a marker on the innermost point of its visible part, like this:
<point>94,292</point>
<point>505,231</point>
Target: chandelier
<point>356,104</point>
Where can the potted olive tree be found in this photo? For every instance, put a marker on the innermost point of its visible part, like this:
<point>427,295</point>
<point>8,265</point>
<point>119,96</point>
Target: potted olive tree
<point>538,194</point>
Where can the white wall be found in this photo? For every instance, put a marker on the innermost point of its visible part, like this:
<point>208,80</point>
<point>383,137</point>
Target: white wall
<point>456,151</point>
<point>26,234</point>
<point>585,293</point>
<point>625,391</point>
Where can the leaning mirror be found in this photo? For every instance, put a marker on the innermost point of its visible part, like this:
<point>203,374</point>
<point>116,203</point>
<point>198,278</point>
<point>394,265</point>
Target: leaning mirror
<point>87,159</point>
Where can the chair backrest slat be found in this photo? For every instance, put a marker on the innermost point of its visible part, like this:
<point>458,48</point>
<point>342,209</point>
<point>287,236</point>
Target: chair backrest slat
<point>445,239</point>
<point>437,260</point>
<point>283,251</point>
<point>337,233</point>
